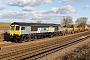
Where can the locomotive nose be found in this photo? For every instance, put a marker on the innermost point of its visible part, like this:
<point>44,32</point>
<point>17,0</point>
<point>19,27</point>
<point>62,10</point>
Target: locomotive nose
<point>14,30</point>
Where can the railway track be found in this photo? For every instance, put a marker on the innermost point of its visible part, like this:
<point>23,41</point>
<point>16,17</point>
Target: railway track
<point>37,51</point>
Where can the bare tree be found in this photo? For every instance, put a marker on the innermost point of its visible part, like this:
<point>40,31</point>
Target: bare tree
<point>39,21</point>
<point>67,20</point>
<point>81,21</point>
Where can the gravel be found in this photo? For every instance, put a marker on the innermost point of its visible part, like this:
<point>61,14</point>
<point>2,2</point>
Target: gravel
<point>79,51</point>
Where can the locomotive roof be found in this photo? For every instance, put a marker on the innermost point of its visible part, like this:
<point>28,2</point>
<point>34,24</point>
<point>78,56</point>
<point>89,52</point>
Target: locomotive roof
<point>33,24</point>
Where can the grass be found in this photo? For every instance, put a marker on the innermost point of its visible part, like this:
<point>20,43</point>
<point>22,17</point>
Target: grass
<point>4,26</point>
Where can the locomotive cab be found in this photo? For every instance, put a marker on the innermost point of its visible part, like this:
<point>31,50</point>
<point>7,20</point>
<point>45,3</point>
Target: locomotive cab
<point>15,30</point>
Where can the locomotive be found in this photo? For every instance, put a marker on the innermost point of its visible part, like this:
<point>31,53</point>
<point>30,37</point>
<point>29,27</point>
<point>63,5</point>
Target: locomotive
<point>21,31</point>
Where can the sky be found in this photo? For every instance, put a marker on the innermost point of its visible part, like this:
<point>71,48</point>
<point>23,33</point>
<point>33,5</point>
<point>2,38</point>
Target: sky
<point>47,11</point>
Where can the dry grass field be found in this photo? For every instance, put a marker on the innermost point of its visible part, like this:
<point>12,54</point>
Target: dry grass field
<point>4,26</point>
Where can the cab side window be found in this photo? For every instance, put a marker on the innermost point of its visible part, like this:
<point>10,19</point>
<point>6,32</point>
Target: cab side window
<point>22,28</point>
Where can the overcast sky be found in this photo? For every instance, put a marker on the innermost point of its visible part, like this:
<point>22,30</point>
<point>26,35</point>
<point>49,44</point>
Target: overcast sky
<point>48,11</point>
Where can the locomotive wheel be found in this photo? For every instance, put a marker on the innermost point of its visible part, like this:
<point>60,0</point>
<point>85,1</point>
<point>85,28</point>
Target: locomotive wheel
<point>21,39</point>
<point>15,40</point>
<point>25,38</point>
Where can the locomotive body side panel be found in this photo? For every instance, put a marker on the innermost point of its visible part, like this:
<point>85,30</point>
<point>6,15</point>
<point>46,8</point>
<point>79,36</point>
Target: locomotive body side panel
<point>25,29</point>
